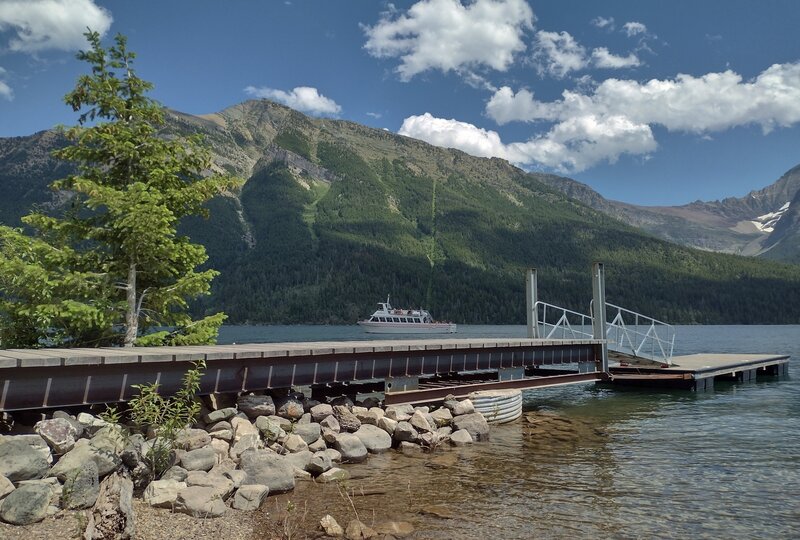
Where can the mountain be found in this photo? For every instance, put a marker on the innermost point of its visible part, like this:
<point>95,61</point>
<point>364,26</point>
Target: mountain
<point>760,223</point>
<point>335,215</point>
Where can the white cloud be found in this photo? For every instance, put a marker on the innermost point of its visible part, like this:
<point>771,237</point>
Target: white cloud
<point>633,28</point>
<point>6,92</point>
<point>39,25</point>
<point>374,115</point>
<point>603,22</point>
<point>602,58</point>
<point>302,98</point>
<point>557,53</point>
<point>454,134</point>
<point>449,36</point>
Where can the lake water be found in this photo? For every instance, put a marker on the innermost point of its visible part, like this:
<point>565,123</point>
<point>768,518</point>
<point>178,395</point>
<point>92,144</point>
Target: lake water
<point>657,464</point>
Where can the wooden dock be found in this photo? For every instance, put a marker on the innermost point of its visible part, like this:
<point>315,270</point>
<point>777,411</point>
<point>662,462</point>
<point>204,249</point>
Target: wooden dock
<point>699,371</point>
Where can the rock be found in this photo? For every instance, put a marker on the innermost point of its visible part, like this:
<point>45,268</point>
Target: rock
<point>399,413</point>
<point>420,422</point>
<point>25,505</point>
<point>222,425</point>
<point>318,445</point>
<point>215,402</point>
<point>475,423</point>
<point>250,497</point>
<point>294,443</point>
<point>223,435</point>
<point>246,442</point>
<point>320,412</point>
<point>397,529</point>
<point>81,487</point>
<point>357,530</point>
<point>405,432</point>
<point>387,424</point>
<point>320,462</point>
<point>200,501</point>
<point>423,410</point>
<point>254,406</point>
<point>331,423</point>
<point>176,473</point>
<point>91,423</point>
<point>347,420</point>
<point>309,403</point>
<point>19,462</point>
<point>132,453</point>
<point>358,410</point>
<point>192,439</point>
<point>79,429</point>
<point>333,475</point>
<point>377,411</point>
<point>334,454</point>
<point>460,438</point>
<point>271,470</point>
<point>330,527</point>
<point>235,476</point>
<point>341,400</point>
<point>270,430</point>
<point>112,515</point>
<point>219,414</point>
<point>221,448</point>
<point>444,432</point>
<point>308,432</point>
<point>442,417</point>
<point>374,438</point>
<point>110,438</point>
<point>305,419</point>
<point>450,402</point>
<point>429,439</point>
<point>366,416</point>
<point>223,486</point>
<point>300,460</point>
<point>84,451</point>
<point>351,448</point>
<point>372,402</point>
<point>163,493</point>
<point>284,423</point>
<point>463,407</point>
<point>201,459</point>
<point>242,427</point>
<point>290,408</point>
<point>224,466</point>
<point>6,486</point>
<point>58,433</point>
<point>409,447</point>
<point>36,443</point>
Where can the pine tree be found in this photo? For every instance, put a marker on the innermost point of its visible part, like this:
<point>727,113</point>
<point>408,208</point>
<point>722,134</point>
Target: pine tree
<point>113,266</point>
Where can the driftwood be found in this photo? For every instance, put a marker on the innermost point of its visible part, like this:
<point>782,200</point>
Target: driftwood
<point>112,517</point>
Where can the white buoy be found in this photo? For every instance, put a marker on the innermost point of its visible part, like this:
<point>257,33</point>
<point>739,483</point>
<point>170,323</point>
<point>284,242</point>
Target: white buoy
<point>498,406</point>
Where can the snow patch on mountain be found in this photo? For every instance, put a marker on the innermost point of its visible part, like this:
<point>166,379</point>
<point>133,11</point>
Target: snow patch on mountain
<point>766,223</point>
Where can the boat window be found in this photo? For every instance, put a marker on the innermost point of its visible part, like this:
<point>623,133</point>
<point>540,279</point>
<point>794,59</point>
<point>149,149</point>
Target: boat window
<point>417,320</point>
<point>404,319</point>
<point>396,319</point>
<point>381,319</point>
<point>372,319</point>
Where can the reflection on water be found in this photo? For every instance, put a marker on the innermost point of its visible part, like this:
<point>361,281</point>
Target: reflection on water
<point>596,462</point>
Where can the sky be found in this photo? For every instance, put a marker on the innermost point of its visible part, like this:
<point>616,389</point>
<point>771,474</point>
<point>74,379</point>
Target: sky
<point>648,102</point>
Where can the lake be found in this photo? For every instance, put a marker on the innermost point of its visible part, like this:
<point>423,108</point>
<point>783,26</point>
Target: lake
<point>667,464</point>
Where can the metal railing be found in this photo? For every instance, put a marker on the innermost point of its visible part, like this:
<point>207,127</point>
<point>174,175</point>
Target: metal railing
<point>638,335</point>
<point>560,323</point>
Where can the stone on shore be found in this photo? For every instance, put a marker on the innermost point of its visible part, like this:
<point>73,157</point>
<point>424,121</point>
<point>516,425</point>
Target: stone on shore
<point>270,430</point>
<point>442,417</point>
<point>334,454</point>
<point>318,445</point>
<point>246,442</point>
<point>387,424</point>
<point>219,414</point>
<point>333,475</point>
<point>176,473</point>
<point>25,505</point>
<point>374,438</point>
<point>320,412</point>
<point>320,462</point>
<point>84,450</point>
<point>420,421</point>
<point>330,527</point>
<point>294,443</point>
<point>347,420</point>
<point>163,493</point>
<point>474,423</point>
<point>463,407</point>
<point>407,447</point>
<point>405,432</point>
<point>192,439</point>
<point>58,433</point>
<point>290,408</point>
<point>460,438</point>
<point>200,502</point>
<point>269,469</point>
<point>222,485</point>
<point>351,448</point>
<point>395,529</point>
<point>250,497</point>
<point>357,530</point>
<point>236,476</point>
<point>18,461</point>
<point>308,432</point>
<point>254,406</point>
<point>201,459</point>
<point>6,486</point>
<point>81,487</point>
<point>242,427</point>
<point>299,462</point>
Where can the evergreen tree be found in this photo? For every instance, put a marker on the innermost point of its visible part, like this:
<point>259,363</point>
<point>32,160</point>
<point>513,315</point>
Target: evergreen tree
<point>113,266</point>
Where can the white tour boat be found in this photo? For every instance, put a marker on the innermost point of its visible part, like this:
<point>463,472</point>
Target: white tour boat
<point>388,320</point>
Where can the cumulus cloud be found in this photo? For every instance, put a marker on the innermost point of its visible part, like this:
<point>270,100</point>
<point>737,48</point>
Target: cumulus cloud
<point>454,134</point>
<point>39,25</point>
<point>302,98</point>
<point>558,53</point>
<point>603,22</point>
<point>633,28</point>
<point>449,36</point>
<point>602,58</point>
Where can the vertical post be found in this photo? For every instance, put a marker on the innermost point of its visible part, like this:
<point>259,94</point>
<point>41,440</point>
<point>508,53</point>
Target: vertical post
<point>531,297</point>
<point>599,310</point>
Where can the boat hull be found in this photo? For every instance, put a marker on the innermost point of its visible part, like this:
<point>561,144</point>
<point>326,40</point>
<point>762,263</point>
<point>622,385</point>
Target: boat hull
<point>407,328</point>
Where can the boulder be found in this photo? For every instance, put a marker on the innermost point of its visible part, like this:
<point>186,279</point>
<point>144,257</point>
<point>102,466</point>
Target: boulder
<point>444,432</point>
<point>399,413</point>
<point>254,406</point>
<point>387,424</point>
<point>235,476</point>
<point>111,439</point>
<point>368,416</point>
<point>223,486</point>
<point>25,505</point>
<point>19,462</point>
<point>163,493</point>
<point>333,475</point>
<point>290,408</point>
<point>79,429</point>
<point>320,462</point>
<point>463,407</point>
<point>420,422</point>
<point>176,473</point>
<point>429,439</point>
<point>81,487</point>
<point>223,435</point>
<point>270,430</point>
<point>442,417</point>
<point>331,423</point>
<point>318,445</point>
<point>112,515</point>
<point>294,443</point>
<point>407,447</point>
<point>330,527</point>
<point>374,438</point>
<point>84,450</point>
<point>320,412</point>
<point>132,453</point>
<point>219,414</point>
<point>357,530</point>
<point>351,448</point>
<point>308,432</point>
<point>405,432</point>
<point>347,420</point>
<point>460,438</point>
<point>223,467</point>
<point>58,433</point>
<point>242,427</point>
<point>6,486</point>
<point>250,497</point>
<point>474,423</point>
<point>200,502</point>
<point>269,469</point>
<point>221,448</point>
<point>284,423</point>
<point>246,442</point>
<point>192,439</point>
<point>201,459</point>
<point>305,419</point>
<point>91,423</point>
<point>299,461</point>
<point>222,425</point>
<point>334,454</point>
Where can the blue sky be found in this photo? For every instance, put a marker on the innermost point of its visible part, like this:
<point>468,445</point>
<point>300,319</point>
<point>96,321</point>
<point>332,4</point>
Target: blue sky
<point>648,102</point>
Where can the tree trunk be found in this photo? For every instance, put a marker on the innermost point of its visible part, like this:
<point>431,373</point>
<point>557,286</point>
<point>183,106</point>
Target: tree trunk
<point>131,315</point>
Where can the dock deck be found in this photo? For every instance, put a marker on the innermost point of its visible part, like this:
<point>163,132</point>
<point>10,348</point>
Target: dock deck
<point>699,371</point>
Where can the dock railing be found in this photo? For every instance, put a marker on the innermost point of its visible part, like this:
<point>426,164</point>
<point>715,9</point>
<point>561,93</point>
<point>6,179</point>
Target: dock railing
<point>556,322</point>
<point>638,335</point>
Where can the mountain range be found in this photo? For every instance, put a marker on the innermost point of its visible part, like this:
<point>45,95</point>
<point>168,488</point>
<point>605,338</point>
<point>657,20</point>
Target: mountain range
<point>335,215</point>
